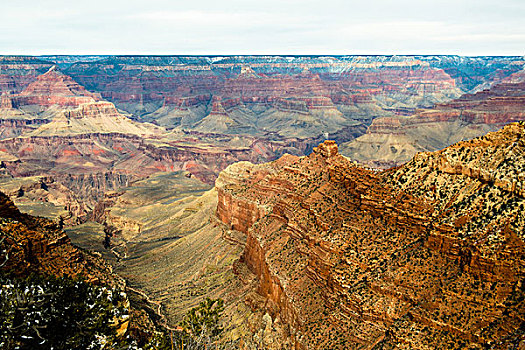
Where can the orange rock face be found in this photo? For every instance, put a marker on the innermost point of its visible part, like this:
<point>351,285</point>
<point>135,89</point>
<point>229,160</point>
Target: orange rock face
<point>426,256</point>
<point>37,245</point>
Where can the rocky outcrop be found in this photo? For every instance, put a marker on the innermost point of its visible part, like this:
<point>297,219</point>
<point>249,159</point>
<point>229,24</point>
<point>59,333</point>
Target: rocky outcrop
<point>55,88</point>
<point>94,118</point>
<point>240,214</point>
<point>429,255</point>
<point>37,245</point>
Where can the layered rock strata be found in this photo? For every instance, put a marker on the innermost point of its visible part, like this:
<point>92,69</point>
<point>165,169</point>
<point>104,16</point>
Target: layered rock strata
<point>16,72</point>
<point>93,118</point>
<point>326,94</point>
<point>55,88</point>
<point>392,141</point>
<point>36,245</point>
<point>427,256</point>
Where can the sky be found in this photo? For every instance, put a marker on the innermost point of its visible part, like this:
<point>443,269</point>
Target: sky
<point>285,27</point>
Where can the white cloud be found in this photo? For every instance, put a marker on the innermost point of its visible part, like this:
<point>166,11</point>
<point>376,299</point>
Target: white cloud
<point>270,27</point>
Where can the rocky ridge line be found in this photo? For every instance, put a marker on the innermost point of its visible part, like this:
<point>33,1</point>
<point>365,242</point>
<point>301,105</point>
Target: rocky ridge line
<point>350,258</point>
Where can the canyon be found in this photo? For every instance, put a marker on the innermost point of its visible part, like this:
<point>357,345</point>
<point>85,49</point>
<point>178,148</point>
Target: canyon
<point>196,177</point>
<point>316,252</point>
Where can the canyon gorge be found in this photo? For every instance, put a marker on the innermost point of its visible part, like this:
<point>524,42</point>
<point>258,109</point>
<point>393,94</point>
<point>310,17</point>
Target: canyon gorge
<point>332,202</point>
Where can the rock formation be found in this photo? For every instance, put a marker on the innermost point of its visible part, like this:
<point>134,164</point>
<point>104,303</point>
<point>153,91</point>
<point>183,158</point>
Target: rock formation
<point>392,141</point>
<point>16,72</point>
<point>153,88</point>
<point>428,256</point>
<point>307,251</point>
<point>94,118</point>
<point>14,121</point>
<point>36,245</point>
<point>55,88</point>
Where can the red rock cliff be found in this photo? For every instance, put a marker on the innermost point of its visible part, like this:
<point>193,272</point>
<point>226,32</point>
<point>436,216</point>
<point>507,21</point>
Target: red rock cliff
<point>421,255</point>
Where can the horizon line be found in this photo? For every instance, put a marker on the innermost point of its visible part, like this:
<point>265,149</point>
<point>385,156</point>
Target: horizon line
<point>255,55</point>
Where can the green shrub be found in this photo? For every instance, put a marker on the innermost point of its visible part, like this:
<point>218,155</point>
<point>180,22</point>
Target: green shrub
<point>204,319</point>
<point>57,313</point>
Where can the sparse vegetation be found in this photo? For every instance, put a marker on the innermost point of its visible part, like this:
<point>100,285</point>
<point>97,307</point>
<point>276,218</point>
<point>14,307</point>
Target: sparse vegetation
<point>58,313</point>
<point>200,330</point>
<point>47,312</point>
<point>203,321</point>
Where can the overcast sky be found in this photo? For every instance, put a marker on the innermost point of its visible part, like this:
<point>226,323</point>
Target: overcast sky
<point>465,27</point>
